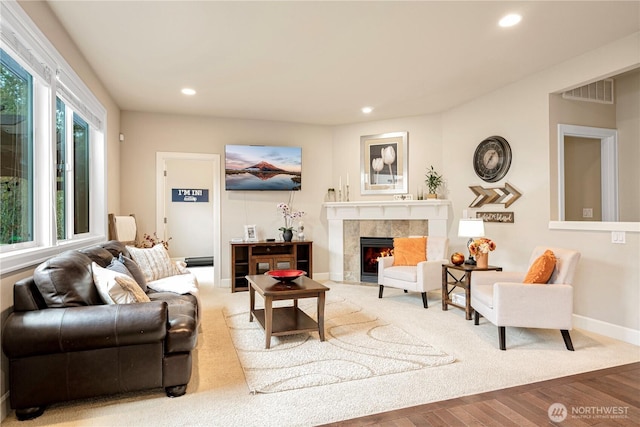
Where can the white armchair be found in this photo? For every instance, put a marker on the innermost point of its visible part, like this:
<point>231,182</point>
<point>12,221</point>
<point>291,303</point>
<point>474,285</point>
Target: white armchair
<point>504,300</point>
<point>425,276</point>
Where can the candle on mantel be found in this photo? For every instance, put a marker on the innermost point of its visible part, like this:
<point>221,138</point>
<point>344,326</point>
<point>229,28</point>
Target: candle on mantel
<point>340,183</point>
<point>347,179</point>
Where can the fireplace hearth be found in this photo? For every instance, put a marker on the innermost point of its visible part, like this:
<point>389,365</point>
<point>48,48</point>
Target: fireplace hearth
<point>370,249</point>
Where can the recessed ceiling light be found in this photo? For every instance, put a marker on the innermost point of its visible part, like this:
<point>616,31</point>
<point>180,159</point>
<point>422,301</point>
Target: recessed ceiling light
<point>188,91</point>
<point>367,110</point>
<point>510,20</point>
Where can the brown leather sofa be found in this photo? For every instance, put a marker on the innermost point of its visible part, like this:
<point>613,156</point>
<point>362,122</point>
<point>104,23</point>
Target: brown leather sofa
<point>64,343</point>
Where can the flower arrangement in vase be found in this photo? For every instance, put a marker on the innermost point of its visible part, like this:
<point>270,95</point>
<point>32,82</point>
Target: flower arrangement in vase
<point>289,215</point>
<point>480,248</point>
<point>149,241</point>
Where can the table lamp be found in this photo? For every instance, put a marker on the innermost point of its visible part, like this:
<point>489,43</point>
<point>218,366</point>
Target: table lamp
<point>471,228</point>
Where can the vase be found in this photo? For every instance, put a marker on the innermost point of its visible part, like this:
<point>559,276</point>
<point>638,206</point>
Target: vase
<point>287,235</point>
<point>482,260</point>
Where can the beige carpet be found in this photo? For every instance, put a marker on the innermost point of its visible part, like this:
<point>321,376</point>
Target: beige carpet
<point>218,394</point>
<point>358,345</point>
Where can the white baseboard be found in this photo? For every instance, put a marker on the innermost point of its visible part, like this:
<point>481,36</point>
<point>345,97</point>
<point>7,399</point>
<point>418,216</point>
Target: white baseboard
<point>320,276</point>
<point>628,335</point>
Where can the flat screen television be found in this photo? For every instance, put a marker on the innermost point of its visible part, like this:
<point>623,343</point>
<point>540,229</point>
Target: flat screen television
<point>262,168</point>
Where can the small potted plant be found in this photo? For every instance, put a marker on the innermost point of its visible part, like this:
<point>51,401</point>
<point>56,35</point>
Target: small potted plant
<point>434,181</point>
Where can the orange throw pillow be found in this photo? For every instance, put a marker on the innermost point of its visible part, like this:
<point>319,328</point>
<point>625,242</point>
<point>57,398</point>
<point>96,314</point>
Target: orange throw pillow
<point>409,250</point>
<point>542,268</point>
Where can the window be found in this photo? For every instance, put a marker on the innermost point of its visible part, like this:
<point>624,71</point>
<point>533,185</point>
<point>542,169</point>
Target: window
<point>77,131</point>
<point>53,164</point>
<point>16,166</point>
<point>80,175</point>
<point>61,175</point>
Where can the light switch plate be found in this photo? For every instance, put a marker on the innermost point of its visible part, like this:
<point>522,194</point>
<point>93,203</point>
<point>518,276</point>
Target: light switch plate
<point>618,237</point>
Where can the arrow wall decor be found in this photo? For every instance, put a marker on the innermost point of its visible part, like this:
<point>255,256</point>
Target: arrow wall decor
<point>485,196</point>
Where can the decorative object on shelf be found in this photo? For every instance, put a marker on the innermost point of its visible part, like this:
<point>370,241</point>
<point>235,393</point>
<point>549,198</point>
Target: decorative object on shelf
<point>286,275</point>
<point>289,216</point>
<point>492,159</point>
<point>301,231</point>
<point>331,195</point>
<point>457,258</point>
<point>287,234</point>
<point>384,163</point>
<point>149,241</point>
<point>250,233</point>
<point>433,182</point>
<point>497,196</point>
<point>481,248</point>
<point>471,228</point>
<point>403,197</point>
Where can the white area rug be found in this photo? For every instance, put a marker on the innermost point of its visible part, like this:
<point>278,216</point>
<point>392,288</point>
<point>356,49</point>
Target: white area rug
<point>358,345</point>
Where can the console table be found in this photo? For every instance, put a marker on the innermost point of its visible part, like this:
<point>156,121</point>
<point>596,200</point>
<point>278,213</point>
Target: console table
<point>251,258</point>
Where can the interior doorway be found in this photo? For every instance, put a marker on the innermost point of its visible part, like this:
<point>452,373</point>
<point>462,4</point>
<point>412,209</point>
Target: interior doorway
<point>188,205</point>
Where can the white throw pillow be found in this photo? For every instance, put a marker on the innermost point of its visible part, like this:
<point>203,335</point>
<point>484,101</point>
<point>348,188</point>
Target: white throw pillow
<point>154,262</point>
<point>117,288</point>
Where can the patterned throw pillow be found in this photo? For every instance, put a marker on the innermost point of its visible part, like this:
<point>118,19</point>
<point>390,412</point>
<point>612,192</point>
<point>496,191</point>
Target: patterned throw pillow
<point>135,271</point>
<point>542,268</point>
<point>153,262</point>
<point>116,288</point>
<point>409,250</point>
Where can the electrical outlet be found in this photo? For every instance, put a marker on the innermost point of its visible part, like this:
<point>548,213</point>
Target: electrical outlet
<point>587,212</point>
<point>618,237</point>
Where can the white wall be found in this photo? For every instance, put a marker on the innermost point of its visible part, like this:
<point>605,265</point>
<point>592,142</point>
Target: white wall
<point>424,149</point>
<point>607,281</point>
<point>147,133</point>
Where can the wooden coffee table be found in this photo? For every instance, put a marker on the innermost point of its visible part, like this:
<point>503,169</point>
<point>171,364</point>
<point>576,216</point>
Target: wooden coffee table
<point>285,320</point>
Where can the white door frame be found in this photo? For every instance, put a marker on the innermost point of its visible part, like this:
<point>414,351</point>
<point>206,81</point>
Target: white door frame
<point>161,159</point>
<point>609,166</point>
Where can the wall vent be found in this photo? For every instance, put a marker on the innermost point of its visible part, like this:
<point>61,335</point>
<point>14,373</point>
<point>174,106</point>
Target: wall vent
<point>600,91</point>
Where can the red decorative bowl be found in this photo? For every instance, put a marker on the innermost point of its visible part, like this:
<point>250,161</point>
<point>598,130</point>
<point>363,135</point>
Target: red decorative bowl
<point>285,275</point>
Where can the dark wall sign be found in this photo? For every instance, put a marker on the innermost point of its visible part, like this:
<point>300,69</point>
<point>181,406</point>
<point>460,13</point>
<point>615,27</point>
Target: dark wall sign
<point>193,195</point>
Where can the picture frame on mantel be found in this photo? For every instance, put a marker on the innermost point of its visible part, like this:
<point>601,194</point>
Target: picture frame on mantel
<point>384,163</point>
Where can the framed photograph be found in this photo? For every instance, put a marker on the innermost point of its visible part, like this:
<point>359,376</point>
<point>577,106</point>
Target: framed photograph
<point>262,168</point>
<point>383,163</point>
<point>250,233</point>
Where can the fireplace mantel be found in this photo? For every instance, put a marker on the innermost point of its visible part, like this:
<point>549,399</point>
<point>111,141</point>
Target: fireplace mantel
<point>435,211</point>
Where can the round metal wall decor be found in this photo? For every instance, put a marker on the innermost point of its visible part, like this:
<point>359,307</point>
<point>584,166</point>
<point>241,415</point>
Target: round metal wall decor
<point>492,159</point>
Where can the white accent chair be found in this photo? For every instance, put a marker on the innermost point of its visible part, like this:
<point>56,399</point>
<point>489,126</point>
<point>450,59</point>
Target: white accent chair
<point>425,276</point>
<point>502,298</point>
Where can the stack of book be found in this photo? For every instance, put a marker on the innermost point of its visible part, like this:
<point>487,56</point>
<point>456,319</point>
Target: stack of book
<point>458,298</point>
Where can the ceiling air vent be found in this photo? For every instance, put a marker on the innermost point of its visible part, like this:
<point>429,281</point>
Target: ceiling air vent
<point>600,91</point>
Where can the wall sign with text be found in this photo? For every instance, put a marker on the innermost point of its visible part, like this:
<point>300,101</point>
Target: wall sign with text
<point>506,217</point>
<point>193,195</point>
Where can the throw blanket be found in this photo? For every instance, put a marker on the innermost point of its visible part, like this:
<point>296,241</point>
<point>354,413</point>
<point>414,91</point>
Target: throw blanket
<point>179,284</point>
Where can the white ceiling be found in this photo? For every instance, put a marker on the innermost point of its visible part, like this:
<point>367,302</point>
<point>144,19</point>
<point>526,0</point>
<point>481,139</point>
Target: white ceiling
<point>320,62</point>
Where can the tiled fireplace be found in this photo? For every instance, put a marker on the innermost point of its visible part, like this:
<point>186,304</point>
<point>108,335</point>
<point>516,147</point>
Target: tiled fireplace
<point>348,221</point>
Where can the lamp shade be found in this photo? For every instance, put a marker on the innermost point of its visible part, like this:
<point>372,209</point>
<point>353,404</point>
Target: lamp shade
<point>471,227</point>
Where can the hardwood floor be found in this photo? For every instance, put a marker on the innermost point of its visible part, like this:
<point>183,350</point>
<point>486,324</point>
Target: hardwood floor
<point>607,397</point>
